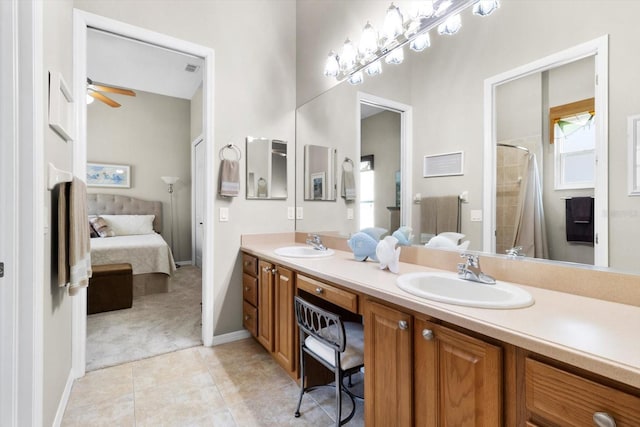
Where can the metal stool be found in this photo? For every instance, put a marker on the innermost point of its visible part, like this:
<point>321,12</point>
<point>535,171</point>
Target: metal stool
<point>337,345</point>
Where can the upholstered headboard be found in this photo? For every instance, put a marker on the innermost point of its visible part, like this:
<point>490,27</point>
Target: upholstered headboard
<point>114,204</point>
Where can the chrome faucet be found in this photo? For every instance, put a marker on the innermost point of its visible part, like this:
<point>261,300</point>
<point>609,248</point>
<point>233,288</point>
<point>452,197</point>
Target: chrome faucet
<point>516,251</point>
<point>470,270</point>
<point>315,241</point>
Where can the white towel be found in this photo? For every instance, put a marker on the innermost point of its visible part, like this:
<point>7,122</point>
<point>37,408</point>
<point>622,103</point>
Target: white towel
<point>229,178</point>
<point>348,188</point>
<point>79,244</point>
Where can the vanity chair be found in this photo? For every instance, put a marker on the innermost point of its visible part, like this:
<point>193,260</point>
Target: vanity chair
<point>337,345</point>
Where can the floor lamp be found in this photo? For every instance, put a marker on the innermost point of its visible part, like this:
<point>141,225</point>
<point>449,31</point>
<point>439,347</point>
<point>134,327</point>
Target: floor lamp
<point>170,181</point>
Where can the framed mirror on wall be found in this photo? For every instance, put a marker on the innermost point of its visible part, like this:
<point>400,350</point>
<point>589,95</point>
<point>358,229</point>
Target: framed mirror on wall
<point>266,168</point>
<point>319,173</point>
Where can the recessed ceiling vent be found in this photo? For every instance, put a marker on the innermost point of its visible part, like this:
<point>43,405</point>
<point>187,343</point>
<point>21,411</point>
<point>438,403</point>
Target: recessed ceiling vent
<point>190,68</point>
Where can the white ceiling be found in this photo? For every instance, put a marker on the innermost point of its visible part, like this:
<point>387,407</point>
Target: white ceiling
<point>132,64</point>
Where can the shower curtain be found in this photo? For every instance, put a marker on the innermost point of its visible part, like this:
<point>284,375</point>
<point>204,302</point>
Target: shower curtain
<point>531,232</point>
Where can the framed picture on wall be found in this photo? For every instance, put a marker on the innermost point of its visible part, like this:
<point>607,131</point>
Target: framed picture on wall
<point>103,175</point>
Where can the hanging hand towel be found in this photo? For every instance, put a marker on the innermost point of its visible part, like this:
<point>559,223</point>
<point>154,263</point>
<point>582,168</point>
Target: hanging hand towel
<point>229,178</point>
<point>348,188</point>
<point>79,244</point>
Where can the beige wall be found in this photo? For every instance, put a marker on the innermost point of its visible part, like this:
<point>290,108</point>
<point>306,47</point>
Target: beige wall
<point>151,133</point>
<point>56,319</point>
<point>447,87</point>
<point>254,88</point>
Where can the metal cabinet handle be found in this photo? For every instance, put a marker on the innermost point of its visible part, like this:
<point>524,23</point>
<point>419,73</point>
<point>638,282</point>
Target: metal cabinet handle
<point>247,317</point>
<point>274,270</point>
<point>266,269</point>
<point>319,291</point>
<point>602,419</point>
<point>246,288</point>
<point>427,334</point>
<point>403,325</point>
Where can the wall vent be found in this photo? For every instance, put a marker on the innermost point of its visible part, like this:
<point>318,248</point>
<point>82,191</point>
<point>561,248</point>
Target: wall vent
<point>190,68</point>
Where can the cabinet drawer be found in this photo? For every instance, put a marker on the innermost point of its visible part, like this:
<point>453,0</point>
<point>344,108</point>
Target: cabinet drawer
<point>566,399</point>
<point>250,289</point>
<point>250,265</point>
<point>250,318</point>
<point>337,296</point>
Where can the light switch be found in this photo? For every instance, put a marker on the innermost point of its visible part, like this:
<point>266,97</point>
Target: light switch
<point>291,212</point>
<point>476,215</point>
<point>349,213</point>
<point>299,212</point>
<point>224,214</point>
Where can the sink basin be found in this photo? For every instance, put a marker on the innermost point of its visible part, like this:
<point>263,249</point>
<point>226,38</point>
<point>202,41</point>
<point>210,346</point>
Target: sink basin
<point>302,252</point>
<point>448,288</point>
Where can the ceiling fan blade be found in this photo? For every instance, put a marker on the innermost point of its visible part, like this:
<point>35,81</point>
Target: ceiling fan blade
<point>97,95</point>
<point>104,88</point>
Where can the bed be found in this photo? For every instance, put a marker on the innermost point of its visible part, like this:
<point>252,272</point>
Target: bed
<point>149,254</point>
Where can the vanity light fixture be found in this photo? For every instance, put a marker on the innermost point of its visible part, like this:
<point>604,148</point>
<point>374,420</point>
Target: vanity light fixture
<point>398,31</point>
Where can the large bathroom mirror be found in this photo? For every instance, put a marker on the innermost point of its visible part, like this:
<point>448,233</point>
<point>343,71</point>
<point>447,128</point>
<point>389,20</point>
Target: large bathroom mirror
<point>319,172</point>
<point>444,85</point>
<point>266,168</point>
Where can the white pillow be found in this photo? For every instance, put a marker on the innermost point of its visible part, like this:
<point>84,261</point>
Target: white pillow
<point>126,225</point>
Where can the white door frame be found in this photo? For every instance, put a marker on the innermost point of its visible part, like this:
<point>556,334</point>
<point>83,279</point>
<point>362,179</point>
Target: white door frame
<point>599,49</point>
<point>81,21</point>
<point>406,147</point>
<point>22,224</point>
<point>194,220</point>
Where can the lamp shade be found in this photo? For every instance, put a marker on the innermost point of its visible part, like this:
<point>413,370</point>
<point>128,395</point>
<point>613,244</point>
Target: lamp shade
<point>170,179</point>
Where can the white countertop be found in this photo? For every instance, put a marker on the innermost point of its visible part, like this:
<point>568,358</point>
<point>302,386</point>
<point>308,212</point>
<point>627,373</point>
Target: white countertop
<point>598,336</point>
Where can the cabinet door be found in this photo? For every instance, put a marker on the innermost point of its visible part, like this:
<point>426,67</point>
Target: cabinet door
<point>265,304</point>
<point>285,322</point>
<point>388,366</point>
<point>458,378</point>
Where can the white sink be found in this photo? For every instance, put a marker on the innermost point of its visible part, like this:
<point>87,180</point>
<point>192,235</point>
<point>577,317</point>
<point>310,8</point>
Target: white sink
<point>303,252</point>
<point>447,287</point>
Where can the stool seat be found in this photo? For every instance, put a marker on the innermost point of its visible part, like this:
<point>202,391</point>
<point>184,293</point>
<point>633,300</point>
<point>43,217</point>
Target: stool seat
<point>353,354</point>
<point>110,288</point>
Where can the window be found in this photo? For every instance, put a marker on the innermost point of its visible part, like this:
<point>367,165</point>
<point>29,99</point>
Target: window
<point>573,135</point>
<point>367,192</point>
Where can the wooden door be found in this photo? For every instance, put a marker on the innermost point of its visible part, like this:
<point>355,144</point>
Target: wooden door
<point>284,323</point>
<point>458,378</point>
<point>388,366</point>
<point>265,304</point>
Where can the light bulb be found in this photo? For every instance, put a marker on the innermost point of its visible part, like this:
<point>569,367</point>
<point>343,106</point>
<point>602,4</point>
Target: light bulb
<point>420,43</point>
<point>368,41</point>
<point>331,66</point>
<point>485,7</point>
<point>442,7</point>
<point>392,26</point>
<point>422,10</point>
<point>356,78</point>
<point>348,57</point>
<point>451,26</point>
<point>395,57</point>
<point>90,99</point>
<point>374,69</point>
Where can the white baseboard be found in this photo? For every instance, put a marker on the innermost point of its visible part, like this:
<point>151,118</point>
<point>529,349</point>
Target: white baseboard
<point>188,262</point>
<point>64,400</point>
<point>230,337</point>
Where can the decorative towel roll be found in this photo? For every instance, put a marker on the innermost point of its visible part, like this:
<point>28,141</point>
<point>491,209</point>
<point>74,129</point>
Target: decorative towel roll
<point>229,178</point>
<point>348,188</point>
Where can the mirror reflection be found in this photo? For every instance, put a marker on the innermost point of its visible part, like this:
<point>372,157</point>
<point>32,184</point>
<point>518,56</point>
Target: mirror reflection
<point>266,168</point>
<point>319,173</point>
<point>444,85</point>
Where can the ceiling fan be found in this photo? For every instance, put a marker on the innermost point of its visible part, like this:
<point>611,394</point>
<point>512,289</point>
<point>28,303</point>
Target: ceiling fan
<point>94,90</point>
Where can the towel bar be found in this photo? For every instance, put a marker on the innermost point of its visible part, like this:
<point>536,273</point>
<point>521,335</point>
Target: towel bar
<point>56,176</point>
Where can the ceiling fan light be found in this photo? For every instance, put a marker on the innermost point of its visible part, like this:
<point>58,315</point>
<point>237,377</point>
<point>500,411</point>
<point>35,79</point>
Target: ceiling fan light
<point>395,57</point>
<point>331,66</point>
<point>368,41</point>
<point>451,26</point>
<point>356,78</point>
<point>485,7</point>
<point>374,69</point>
<point>392,26</point>
<point>347,59</point>
<point>90,99</point>
<point>420,43</point>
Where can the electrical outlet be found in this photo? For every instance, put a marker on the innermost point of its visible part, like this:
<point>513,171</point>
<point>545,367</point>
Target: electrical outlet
<point>291,212</point>
<point>349,213</point>
<point>299,212</point>
<point>476,215</point>
<point>224,214</point>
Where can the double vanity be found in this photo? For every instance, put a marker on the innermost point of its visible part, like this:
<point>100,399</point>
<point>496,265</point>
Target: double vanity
<point>537,357</point>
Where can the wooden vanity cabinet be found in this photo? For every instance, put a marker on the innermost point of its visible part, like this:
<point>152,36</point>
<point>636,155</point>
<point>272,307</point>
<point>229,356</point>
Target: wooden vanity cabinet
<point>250,293</point>
<point>421,373</point>
<point>285,334</point>
<point>266,282</point>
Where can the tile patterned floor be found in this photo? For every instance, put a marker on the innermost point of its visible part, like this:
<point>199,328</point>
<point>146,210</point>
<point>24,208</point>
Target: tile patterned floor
<point>235,384</point>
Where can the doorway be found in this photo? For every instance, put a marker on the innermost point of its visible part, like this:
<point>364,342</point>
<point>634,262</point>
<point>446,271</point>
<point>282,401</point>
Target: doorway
<point>82,23</point>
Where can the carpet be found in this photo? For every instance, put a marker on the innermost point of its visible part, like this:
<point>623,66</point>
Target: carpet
<point>155,324</point>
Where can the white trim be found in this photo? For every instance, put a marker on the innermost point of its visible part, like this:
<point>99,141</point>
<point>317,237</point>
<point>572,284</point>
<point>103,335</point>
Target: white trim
<point>194,221</point>
<point>633,141</point>
<point>599,49</point>
<point>406,147</point>
<point>82,20</point>
<point>231,337</point>
<point>183,263</point>
<point>57,421</point>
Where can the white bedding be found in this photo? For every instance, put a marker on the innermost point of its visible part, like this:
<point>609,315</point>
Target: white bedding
<point>147,253</point>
